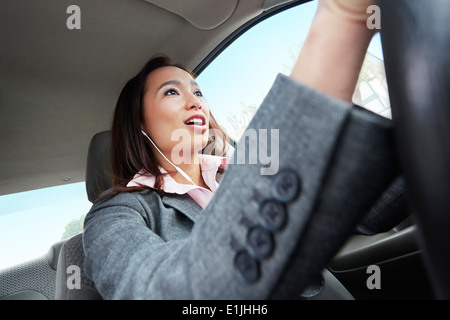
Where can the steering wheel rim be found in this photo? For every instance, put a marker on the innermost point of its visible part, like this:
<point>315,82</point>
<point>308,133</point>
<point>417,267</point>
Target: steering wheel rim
<point>415,36</point>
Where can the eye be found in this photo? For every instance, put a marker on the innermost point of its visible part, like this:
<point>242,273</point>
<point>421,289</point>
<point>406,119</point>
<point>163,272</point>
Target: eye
<point>171,92</point>
<point>198,93</point>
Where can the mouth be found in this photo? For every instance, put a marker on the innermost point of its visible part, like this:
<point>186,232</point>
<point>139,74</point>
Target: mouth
<point>196,122</point>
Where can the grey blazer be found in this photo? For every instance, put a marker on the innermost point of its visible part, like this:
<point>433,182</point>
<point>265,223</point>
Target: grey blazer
<point>262,236</point>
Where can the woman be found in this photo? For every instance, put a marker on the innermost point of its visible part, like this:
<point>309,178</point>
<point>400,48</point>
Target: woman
<point>164,102</point>
<point>163,236</point>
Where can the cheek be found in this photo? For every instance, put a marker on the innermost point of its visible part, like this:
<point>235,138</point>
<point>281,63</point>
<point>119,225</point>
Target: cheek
<point>164,135</point>
<point>206,109</point>
<point>158,128</point>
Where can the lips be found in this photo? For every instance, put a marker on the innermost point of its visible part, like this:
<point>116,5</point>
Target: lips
<point>197,122</point>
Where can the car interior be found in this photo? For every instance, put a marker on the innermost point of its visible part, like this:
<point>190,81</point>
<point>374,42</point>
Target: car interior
<point>59,83</point>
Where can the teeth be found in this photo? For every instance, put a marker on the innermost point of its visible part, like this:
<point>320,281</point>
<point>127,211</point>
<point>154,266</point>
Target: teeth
<point>196,122</point>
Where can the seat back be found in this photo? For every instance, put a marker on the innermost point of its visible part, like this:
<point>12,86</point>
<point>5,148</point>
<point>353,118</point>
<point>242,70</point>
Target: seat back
<point>71,281</point>
<point>33,279</point>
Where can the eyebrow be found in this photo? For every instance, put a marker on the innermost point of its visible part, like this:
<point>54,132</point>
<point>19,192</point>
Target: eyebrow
<point>176,82</point>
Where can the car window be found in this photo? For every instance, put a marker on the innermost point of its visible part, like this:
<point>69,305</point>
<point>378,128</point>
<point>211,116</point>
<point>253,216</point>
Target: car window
<point>31,222</point>
<point>236,82</point>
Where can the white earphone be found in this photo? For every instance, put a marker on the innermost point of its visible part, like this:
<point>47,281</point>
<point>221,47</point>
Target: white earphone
<point>184,174</point>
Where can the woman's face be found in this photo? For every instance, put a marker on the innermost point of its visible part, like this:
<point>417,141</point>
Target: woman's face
<point>176,116</point>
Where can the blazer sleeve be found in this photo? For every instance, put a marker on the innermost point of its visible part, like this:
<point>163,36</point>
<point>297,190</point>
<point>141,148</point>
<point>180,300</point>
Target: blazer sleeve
<point>273,224</point>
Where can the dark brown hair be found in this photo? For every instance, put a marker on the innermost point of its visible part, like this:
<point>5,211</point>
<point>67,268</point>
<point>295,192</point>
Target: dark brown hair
<point>130,149</point>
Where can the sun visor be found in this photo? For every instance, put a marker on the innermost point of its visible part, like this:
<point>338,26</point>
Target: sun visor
<point>205,14</point>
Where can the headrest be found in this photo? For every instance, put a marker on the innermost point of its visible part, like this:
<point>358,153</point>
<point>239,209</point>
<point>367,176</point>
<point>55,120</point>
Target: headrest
<point>98,168</point>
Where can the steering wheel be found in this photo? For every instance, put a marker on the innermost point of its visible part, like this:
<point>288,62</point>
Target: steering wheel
<point>415,35</point>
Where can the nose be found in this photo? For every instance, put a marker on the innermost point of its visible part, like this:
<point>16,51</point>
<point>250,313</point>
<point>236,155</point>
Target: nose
<point>194,103</point>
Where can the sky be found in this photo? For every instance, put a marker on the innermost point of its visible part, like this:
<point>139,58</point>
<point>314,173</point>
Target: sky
<point>32,221</point>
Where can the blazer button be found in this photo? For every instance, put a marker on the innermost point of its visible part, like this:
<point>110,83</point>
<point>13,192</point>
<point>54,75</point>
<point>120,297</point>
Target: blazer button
<point>247,267</point>
<point>286,186</point>
<point>260,242</point>
<point>274,214</point>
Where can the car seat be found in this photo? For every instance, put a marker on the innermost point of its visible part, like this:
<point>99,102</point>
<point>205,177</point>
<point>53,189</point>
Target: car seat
<point>98,171</point>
